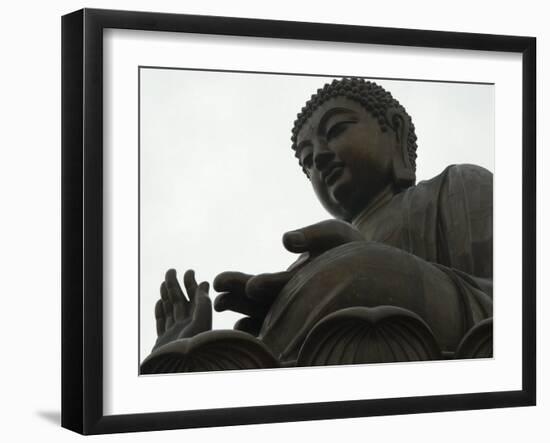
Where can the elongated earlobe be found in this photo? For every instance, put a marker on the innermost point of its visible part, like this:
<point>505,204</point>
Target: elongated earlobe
<point>403,172</point>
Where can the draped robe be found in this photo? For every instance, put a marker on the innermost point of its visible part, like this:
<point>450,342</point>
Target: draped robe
<point>447,221</point>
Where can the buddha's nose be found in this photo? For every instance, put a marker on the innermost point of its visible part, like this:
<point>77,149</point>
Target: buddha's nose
<point>322,157</point>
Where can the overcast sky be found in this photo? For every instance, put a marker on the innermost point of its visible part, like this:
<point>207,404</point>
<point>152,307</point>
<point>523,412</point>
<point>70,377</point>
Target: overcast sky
<point>219,181</point>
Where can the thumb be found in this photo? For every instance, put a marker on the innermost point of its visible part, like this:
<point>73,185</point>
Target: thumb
<point>200,294</point>
<point>203,288</point>
<point>321,237</point>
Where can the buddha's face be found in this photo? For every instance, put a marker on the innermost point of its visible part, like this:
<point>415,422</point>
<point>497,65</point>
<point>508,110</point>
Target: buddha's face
<point>347,156</point>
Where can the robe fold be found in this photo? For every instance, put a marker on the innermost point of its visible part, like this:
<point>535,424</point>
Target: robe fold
<point>447,221</point>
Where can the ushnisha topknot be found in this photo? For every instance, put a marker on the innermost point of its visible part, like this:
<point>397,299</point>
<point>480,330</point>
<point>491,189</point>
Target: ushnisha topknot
<point>374,98</point>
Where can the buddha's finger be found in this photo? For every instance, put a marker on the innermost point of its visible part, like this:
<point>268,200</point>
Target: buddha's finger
<point>265,287</point>
<point>190,283</point>
<point>202,316</point>
<point>228,301</point>
<point>202,290</point>
<point>159,316</point>
<point>168,309</point>
<point>167,306</point>
<point>231,281</point>
<point>320,237</point>
<point>224,301</point>
<point>175,294</point>
<point>249,325</point>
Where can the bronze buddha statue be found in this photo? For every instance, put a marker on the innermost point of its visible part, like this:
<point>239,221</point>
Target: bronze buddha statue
<point>402,272</point>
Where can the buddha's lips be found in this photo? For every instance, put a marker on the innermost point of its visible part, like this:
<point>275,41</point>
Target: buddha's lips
<point>332,172</point>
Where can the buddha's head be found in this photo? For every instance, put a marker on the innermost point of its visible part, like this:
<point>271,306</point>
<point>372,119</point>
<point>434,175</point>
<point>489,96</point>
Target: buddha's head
<point>354,141</point>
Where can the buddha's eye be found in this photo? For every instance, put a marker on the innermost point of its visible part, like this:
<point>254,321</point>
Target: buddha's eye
<point>338,128</point>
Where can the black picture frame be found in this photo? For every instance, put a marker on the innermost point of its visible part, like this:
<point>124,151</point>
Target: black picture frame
<point>82,220</point>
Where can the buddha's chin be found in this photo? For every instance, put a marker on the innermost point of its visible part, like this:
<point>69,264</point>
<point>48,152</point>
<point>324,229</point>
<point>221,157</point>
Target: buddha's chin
<point>346,198</point>
<point>340,191</point>
<point>340,186</point>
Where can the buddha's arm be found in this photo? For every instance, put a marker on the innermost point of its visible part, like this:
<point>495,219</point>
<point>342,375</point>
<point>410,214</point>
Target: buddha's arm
<point>254,295</point>
<point>466,221</point>
<point>466,235</point>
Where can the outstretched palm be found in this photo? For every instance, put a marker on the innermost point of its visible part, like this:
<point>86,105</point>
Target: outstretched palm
<point>179,316</point>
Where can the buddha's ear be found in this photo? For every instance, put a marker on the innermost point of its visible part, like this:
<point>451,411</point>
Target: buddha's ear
<point>403,172</point>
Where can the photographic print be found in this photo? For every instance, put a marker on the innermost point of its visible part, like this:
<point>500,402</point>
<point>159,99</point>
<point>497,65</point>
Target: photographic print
<point>290,220</point>
<point>269,221</point>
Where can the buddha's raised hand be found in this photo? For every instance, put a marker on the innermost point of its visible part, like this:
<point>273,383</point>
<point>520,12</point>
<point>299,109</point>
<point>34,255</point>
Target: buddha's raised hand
<point>179,316</point>
<point>254,295</point>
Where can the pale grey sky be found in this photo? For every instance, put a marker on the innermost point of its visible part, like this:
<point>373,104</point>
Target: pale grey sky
<point>220,184</point>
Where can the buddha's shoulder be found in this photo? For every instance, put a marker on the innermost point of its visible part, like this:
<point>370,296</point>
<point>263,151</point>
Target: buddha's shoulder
<point>459,175</point>
<point>453,182</point>
<point>466,172</point>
